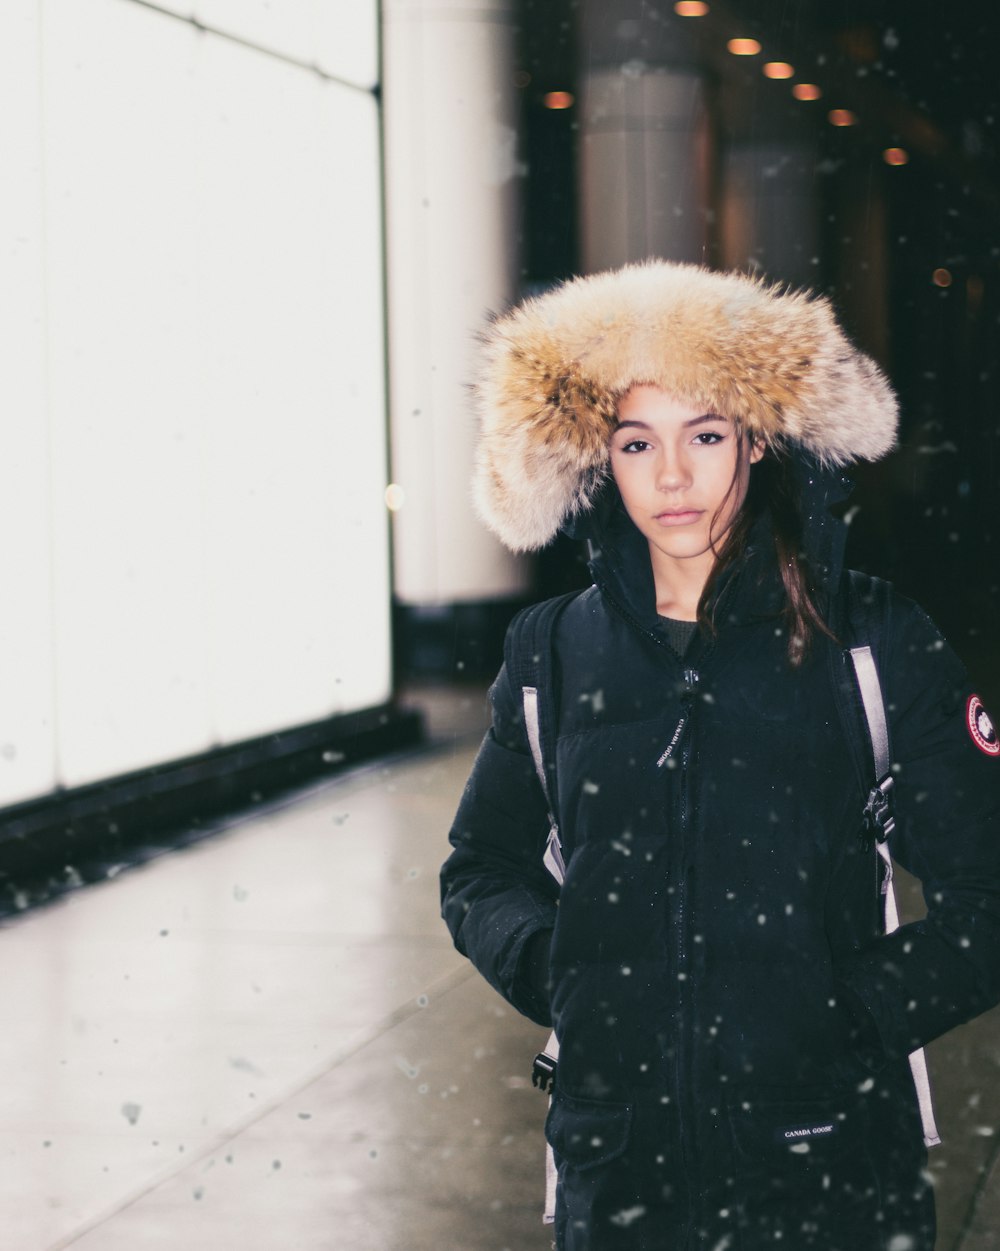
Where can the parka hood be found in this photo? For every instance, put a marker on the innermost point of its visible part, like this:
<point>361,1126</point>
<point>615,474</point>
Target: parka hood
<point>555,367</point>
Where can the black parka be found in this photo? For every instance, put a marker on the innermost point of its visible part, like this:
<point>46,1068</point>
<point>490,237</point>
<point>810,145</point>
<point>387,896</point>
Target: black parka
<point>733,1024</point>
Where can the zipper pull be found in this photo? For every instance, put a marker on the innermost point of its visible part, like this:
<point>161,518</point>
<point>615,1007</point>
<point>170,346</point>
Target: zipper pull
<point>691,678</point>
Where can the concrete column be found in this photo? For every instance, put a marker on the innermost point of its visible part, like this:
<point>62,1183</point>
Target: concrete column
<point>645,152</point>
<point>769,218</point>
<point>643,167</point>
<point>861,254</point>
<point>770,190</point>
<point>452,186</point>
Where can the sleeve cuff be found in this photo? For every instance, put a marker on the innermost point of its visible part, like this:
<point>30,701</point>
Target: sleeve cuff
<point>534,975</point>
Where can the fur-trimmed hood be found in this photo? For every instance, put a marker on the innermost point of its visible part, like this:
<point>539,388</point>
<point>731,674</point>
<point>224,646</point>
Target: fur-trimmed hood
<point>555,367</point>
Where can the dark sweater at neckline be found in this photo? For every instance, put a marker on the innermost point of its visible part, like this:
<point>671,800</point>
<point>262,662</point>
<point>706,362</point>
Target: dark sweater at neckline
<point>678,633</point>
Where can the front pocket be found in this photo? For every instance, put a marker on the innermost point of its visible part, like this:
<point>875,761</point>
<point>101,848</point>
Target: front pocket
<point>802,1172</point>
<point>586,1133</point>
<point>795,1130</point>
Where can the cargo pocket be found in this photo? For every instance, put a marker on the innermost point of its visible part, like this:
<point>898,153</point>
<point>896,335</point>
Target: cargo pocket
<point>588,1138</point>
<point>586,1133</point>
<point>802,1169</point>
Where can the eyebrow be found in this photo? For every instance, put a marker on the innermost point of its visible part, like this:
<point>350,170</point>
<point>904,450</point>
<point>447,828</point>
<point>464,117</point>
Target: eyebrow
<point>692,421</point>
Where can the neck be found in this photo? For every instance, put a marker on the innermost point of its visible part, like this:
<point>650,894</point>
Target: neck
<point>679,583</point>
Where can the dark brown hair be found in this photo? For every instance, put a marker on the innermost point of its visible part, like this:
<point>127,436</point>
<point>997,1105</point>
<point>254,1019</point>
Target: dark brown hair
<point>772,488</point>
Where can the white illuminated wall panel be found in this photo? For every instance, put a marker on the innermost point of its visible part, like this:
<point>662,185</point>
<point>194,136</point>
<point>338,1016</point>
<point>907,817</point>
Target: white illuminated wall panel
<point>338,36</point>
<point>202,433</point>
<point>27,739</point>
<point>297,563</point>
<point>132,680</point>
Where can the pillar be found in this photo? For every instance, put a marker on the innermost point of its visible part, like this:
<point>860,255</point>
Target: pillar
<point>646,138</point>
<point>452,187</point>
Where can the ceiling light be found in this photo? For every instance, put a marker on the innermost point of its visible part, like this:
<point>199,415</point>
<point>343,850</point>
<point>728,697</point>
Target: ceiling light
<point>558,99</point>
<point>895,156</point>
<point>691,8</point>
<point>842,117</point>
<point>743,47</point>
<point>778,69</point>
<point>806,91</point>
<point>941,277</point>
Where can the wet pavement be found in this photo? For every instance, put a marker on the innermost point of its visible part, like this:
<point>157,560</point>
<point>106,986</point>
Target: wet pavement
<point>266,1042</point>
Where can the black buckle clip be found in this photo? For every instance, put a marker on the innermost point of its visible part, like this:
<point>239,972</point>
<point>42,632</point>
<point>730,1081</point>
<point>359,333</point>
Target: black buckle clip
<point>543,1072</point>
<point>879,821</point>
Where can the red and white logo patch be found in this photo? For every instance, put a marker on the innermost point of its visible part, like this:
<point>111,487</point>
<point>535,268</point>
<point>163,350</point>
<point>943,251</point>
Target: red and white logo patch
<point>982,729</point>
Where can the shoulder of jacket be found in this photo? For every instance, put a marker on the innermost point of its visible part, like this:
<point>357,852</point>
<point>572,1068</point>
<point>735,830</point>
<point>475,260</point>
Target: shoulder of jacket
<point>546,610</point>
<point>874,605</point>
<point>878,594</point>
<point>530,633</point>
<point>864,589</point>
<point>866,586</point>
<point>895,626</point>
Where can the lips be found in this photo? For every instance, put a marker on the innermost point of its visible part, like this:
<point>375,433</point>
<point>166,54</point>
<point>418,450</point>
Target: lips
<point>678,516</point>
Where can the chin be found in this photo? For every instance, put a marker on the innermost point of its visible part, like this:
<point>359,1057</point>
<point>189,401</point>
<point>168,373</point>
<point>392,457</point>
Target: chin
<point>683,551</point>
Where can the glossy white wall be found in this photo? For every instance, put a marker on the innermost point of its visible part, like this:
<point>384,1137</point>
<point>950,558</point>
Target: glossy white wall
<point>203,431</point>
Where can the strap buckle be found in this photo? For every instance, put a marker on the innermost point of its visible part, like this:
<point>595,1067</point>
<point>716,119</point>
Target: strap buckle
<point>878,819</point>
<point>543,1072</point>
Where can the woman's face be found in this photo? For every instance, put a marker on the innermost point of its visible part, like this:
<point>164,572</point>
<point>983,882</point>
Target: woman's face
<point>681,473</point>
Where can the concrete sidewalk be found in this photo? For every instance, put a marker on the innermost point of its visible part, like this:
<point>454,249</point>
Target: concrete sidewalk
<point>266,1042</point>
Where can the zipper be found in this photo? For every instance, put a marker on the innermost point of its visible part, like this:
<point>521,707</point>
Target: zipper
<point>691,678</point>
<point>680,742</point>
<point>688,1141</point>
<point>626,616</point>
<point>691,682</point>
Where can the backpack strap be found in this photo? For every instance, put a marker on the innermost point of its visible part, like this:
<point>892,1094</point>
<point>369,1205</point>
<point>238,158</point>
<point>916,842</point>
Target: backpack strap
<point>879,821</point>
<point>866,615</point>
<point>531,665</point>
<point>530,658</point>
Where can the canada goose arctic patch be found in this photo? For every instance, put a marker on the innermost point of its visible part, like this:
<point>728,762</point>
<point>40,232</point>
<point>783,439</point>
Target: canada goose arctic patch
<point>982,729</point>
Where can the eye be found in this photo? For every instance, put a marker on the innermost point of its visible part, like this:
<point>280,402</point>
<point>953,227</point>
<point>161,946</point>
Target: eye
<point>708,438</point>
<point>634,445</point>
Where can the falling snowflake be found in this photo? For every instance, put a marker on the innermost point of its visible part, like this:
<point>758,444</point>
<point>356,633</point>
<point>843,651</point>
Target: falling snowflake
<point>627,1216</point>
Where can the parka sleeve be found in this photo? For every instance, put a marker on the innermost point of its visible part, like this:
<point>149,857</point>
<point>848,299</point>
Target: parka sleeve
<point>495,891</point>
<point>941,971</point>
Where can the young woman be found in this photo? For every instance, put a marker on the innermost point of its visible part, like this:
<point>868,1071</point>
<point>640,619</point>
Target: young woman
<point>734,1024</point>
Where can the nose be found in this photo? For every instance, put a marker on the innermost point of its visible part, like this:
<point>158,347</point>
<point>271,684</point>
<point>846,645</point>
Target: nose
<point>673,472</point>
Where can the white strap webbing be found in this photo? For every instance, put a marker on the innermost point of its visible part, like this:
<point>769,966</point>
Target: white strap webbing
<point>553,861</point>
<point>553,857</point>
<point>551,1172</point>
<point>874,706</point>
<point>918,1061</point>
<point>871,698</point>
<point>529,699</point>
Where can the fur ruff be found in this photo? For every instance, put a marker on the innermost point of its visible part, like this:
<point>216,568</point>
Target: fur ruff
<point>554,368</point>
